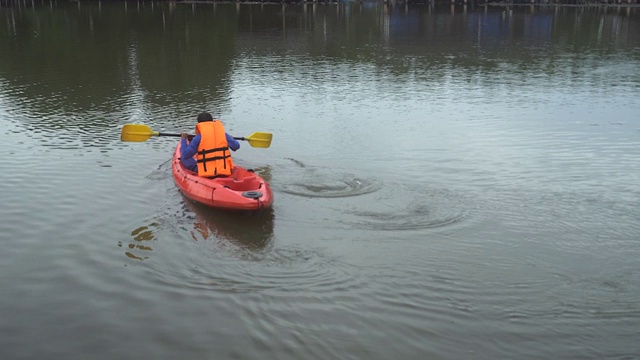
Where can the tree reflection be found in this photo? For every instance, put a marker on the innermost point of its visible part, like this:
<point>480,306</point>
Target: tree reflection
<point>141,235</point>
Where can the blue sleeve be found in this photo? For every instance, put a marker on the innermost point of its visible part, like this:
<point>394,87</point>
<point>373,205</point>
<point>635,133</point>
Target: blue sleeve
<point>187,151</point>
<point>233,143</point>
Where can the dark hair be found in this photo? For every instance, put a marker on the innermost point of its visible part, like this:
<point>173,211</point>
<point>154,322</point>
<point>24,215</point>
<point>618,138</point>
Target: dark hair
<point>205,116</point>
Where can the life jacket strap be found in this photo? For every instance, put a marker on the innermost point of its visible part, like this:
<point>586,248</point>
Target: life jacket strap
<point>213,158</point>
<point>204,160</point>
<point>208,151</point>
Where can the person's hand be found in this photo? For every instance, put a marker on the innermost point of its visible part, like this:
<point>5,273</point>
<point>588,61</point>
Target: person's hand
<point>185,135</point>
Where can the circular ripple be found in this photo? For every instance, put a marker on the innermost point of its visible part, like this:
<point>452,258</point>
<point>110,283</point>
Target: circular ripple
<point>410,210</point>
<point>316,182</point>
<point>335,186</point>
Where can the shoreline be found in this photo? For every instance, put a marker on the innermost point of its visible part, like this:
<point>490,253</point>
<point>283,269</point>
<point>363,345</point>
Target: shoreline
<point>537,3</point>
<point>615,4</point>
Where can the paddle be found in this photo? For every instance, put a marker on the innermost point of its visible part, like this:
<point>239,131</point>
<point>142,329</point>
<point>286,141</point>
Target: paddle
<point>140,133</point>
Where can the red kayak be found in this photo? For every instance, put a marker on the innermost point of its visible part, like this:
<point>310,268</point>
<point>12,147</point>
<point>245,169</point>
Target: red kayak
<point>242,190</point>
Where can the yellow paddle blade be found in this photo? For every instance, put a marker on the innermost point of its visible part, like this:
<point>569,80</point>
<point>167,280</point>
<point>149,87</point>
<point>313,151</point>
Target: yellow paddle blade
<point>259,139</point>
<point>136,133</point>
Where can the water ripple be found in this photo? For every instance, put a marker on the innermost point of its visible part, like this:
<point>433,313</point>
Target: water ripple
<point>319,182</point>
<point>190,246</point>
<point>409,209</point>
<point>286,270</point>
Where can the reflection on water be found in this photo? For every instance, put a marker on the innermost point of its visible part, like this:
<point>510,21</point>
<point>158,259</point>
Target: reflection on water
<point>245,235</point>
<point>141,235</point>
<point>250,232</point>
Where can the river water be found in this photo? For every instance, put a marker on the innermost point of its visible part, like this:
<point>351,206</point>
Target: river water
<point>449,182</point>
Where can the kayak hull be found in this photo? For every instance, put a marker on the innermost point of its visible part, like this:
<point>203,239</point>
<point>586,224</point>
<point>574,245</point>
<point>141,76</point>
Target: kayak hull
<point>242,190</point>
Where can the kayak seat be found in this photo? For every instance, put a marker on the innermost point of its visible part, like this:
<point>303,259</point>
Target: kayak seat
<point>244,184</point>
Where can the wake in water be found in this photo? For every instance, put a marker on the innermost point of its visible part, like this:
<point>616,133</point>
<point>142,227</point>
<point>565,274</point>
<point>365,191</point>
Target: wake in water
<point>201,248</point>
<point>242,235</point>
<point>325,183</point>
<point>162,172</point>
<point>408,207</point>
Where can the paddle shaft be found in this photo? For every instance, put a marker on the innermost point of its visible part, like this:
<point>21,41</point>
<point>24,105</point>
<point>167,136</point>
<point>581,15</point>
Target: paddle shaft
<point>191,136</point>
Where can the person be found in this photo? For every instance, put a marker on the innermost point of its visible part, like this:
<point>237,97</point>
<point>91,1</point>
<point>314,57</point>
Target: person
<point>208,152</point>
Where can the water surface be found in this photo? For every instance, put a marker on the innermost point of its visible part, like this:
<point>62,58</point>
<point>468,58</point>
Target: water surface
<point>450,182</point>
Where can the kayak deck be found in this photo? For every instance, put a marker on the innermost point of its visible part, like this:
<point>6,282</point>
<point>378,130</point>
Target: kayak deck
<point>242,190</point>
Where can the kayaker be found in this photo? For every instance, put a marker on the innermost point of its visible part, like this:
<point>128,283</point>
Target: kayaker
<point>208,152</point>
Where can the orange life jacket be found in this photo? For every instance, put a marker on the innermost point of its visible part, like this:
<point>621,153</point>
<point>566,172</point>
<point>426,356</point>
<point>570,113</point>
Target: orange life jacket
<point>213,156</point>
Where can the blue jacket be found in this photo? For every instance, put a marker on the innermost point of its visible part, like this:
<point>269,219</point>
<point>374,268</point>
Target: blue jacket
<point>188,150</point>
